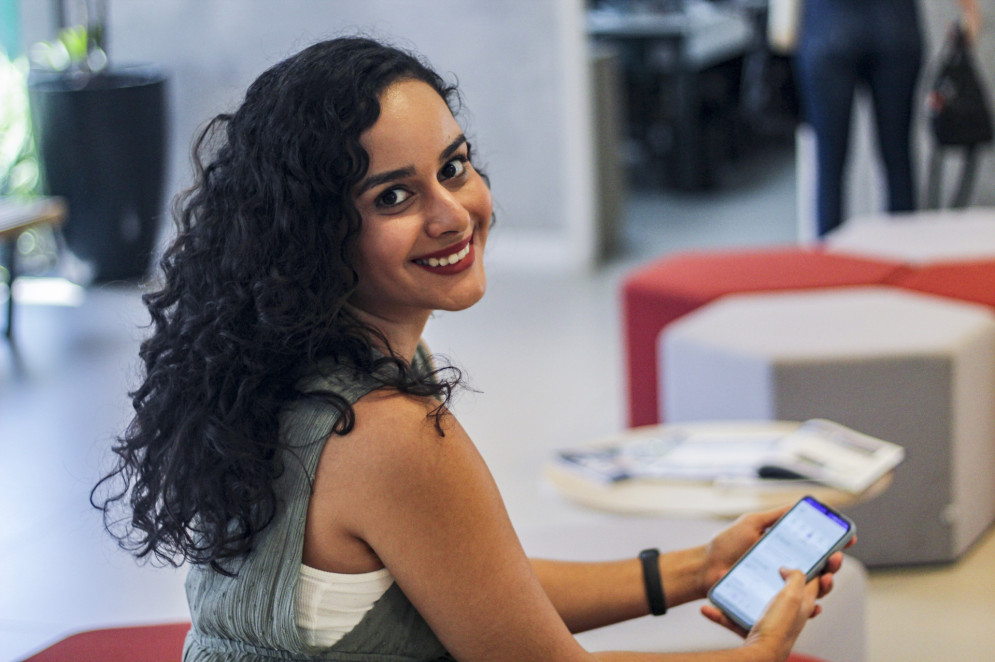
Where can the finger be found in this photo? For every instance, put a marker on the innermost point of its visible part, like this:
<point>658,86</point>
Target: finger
<point>792,575</point>
<point>825,585</point>
<point>768,517</point>
<point>795,586</point>
<point>715,615</point>
<point>794,581</point>
<point>810,593</point>
<point>833,563</point>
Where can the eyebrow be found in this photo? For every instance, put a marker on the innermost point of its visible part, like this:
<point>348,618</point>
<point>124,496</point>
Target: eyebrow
<point>399,173</point>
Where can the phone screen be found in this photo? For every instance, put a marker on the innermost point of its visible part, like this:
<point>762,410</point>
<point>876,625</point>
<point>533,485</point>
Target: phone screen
<point>802,539</point>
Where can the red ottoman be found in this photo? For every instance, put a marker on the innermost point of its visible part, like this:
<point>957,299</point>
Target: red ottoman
<point>156,643</point>
<point>658,293</point>
<point>968,281</point>
<point>144,643</point>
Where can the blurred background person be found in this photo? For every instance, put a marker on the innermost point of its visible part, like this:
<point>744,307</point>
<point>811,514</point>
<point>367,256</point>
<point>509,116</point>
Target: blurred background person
<point>877,44</point>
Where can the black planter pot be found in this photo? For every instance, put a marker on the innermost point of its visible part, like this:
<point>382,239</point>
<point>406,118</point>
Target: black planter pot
<point>103,148</point>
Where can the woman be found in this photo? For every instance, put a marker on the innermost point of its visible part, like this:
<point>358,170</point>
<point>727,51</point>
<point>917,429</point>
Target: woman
<point>291,438</point>
<point>877,44</point>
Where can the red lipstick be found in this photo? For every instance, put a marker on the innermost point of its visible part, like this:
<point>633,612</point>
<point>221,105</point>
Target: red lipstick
<point>451,260</point>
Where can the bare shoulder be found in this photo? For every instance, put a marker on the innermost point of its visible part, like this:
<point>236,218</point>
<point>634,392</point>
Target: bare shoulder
<point>393,455</point>
<point>408,445</point>
<point>394,433</point>
<point>420,500</point>
<point>392,426</point>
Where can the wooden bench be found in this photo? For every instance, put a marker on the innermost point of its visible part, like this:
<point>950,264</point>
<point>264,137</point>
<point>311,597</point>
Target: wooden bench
<point>17,217</point>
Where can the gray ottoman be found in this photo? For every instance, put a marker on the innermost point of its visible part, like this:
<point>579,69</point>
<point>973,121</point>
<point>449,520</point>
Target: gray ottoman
<point>910,368</point>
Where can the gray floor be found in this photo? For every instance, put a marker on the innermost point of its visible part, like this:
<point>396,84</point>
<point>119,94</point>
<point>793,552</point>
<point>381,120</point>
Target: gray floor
<point>544,354</point>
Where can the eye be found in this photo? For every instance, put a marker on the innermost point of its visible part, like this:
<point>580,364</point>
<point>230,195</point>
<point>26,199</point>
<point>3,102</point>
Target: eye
<point>392,197</point>
<point>453,168</point>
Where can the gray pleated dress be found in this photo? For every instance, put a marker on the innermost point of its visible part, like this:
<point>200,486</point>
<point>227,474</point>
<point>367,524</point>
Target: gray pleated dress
<point>252,616</point>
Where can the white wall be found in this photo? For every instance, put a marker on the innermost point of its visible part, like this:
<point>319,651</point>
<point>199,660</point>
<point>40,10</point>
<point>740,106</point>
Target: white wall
<point>865,192</point>
<point>522,66</point>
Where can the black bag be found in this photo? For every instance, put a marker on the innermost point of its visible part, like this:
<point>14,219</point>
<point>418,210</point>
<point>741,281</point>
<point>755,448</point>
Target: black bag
<point>958,106</point>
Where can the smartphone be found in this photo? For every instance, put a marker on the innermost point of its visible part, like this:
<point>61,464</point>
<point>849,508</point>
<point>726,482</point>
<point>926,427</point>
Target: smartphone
<point>803,538</point>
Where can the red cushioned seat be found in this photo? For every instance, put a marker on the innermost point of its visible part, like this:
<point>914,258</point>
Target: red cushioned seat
<point>966,281</point>
<point>148,643</point>
<point>659,293</point>
<point>142,643</point>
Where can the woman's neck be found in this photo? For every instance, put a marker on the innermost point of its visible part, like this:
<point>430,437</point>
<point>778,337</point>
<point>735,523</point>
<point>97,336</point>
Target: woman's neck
<point>402,335</point>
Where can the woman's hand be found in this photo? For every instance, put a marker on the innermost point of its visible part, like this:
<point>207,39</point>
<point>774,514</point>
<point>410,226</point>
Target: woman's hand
<point>971,19</point>
<point>728,546</point>
<point>776,631</point>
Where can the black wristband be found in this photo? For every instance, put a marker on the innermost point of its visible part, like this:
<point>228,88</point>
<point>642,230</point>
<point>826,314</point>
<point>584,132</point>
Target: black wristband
<point>651,578</point>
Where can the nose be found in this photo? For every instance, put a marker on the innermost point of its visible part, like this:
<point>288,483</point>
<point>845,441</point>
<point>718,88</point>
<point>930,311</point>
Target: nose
<point>445,213</point>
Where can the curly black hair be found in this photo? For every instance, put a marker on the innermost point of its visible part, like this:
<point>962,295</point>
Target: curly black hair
<point>254,292</point>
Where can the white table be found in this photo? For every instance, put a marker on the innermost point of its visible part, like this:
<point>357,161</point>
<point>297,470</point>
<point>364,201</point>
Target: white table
<point>684,498</point>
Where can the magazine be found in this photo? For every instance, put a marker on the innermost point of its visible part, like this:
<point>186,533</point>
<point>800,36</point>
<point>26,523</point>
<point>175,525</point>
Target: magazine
<point>817,450</point>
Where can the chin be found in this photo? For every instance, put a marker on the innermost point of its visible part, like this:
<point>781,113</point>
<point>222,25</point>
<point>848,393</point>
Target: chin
<point>465,299</point>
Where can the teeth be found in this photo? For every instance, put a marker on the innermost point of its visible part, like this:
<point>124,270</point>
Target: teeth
<point>446,261</point>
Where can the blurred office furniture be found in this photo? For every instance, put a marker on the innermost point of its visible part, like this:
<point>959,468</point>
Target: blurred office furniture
<point>138,643</point>
<point>949,252</point>
<point>657,293</point>
<point>913,369</point>
<point>926,237</point>
<point>682,62</point>
<point>164,643</point>
<point>607,103</point>
<point>17,217</point>
<point>102,146</point>
<point>708,486</point>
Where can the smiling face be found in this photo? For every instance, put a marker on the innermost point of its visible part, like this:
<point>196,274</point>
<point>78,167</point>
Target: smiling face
<point>425,212</point>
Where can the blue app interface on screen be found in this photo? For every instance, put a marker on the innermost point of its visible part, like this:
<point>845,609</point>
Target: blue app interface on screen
<point>799,540</point>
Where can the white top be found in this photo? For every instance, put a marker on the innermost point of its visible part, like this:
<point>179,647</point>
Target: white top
<point>331,604</point>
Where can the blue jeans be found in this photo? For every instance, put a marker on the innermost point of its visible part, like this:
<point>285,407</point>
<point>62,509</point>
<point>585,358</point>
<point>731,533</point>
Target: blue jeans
<point>843,44</point>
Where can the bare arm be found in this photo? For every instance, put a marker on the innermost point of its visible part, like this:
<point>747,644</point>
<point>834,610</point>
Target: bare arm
<point>591,595</point>
<point>971,18</point>
<point>427,508</point>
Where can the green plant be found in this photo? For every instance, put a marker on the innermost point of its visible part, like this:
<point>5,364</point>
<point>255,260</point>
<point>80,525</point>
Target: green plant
<point>38,247</point>
<point>80,46</point>
<point>76,49</point>
<point>18,158</point>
